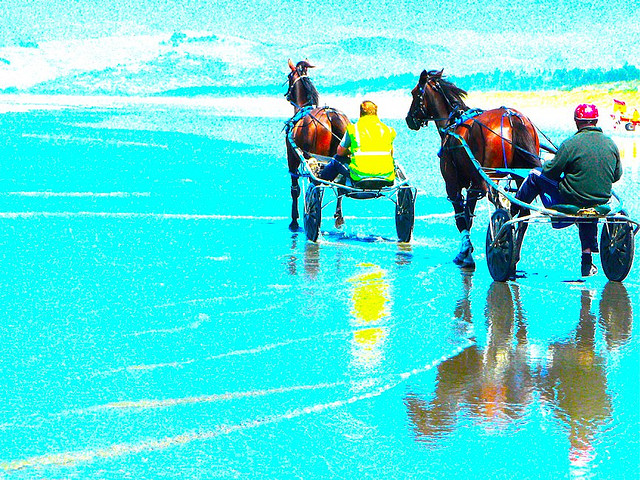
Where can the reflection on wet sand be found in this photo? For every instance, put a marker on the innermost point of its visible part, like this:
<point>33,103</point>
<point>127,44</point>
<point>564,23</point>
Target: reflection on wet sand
<point>498,384</point>
<point>575,379</point>
<point>370,306</point>
<point>507,381</point>
<point>310,260</point>
<point>462,310</point>
<point>493,385</point>
<point>575,384</point>
<point>404,255</point>
<point>292,259</point>
<point>616,316</point>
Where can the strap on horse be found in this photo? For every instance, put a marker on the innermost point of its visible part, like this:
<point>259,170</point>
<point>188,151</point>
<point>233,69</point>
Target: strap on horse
<point>303,112</point>
<point>457,119</point>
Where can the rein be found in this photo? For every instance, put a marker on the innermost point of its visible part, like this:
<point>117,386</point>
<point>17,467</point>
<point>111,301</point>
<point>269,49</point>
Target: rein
<point>457,118</point>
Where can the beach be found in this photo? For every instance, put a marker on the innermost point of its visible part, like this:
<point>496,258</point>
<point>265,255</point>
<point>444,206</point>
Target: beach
<point>161,320</point>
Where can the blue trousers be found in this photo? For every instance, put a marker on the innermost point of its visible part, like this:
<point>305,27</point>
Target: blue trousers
<point>335,167</point>
<point>537,184</point>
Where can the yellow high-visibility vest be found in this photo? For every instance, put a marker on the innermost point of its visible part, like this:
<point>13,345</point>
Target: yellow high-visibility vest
<point>371,146</point>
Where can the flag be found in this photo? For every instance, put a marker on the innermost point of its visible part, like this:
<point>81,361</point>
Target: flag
<point>619,106</point>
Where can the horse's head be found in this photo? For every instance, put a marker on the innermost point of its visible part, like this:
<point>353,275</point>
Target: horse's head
<point>424,104</point>
<point>301,91</point>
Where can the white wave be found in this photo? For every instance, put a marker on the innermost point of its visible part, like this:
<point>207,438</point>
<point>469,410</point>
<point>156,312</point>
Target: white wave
<point>160,216</point>
<point>78,194</point>
<point>69,138</point>
<point>73,458</point>
<point>174,402</point>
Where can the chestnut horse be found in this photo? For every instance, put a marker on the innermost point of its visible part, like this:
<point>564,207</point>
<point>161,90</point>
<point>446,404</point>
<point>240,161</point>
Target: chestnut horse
<point>315,130</point>
<point>498,138</point>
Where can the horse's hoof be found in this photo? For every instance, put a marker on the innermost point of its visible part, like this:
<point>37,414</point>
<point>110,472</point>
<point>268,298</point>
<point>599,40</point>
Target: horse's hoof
<point>339,222</point>
<point>294,227</point>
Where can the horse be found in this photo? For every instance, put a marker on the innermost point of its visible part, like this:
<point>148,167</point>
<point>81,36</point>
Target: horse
<point>498,138</point>
<point>315,130</point>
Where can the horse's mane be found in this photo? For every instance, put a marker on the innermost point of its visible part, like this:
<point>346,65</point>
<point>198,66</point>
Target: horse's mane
<point>312,93</point>
<point>456,95</point>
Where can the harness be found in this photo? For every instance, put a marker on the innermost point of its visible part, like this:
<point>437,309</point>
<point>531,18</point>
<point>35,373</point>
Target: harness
<point>457,119</point>
<point>299,115</point>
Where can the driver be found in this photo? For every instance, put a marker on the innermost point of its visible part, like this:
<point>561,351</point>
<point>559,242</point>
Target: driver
<point>581,174</point>
<point>366,150</point>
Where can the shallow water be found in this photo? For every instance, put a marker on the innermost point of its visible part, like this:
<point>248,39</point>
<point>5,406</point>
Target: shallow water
<point>160,320</point>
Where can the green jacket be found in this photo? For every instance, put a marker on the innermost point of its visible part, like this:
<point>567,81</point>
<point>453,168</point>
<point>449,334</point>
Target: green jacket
<point>586,165</point>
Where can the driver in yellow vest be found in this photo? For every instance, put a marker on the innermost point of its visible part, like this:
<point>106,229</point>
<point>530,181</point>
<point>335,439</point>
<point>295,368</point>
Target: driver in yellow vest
<point>366,150</point>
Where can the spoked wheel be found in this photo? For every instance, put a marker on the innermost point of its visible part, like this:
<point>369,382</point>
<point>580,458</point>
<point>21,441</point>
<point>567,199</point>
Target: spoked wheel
<point>616,249</point>
<point>312,212</point>
<point>405,214</point>
<point>500,249</point>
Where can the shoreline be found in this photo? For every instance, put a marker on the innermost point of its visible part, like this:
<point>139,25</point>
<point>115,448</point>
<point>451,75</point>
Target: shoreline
<point>546,106</point>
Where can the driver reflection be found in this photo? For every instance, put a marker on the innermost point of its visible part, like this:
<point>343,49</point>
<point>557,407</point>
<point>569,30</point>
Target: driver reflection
<point>615,315</point>
<point>370,307</point>
<point>575,382</point>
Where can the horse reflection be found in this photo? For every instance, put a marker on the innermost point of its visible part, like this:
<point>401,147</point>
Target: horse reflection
<point>462,311</point>
<point>292,260</point>
<point>370,306</point>
<point>493,384</point>
<point>574,382</point>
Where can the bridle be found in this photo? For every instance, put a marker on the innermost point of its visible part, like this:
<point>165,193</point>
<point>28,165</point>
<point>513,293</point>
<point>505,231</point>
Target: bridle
<point>425,115</point>
<point>292,83</point>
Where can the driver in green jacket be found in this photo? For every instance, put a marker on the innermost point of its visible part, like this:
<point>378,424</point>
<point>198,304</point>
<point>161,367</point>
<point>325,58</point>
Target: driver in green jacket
<point>581,174</point>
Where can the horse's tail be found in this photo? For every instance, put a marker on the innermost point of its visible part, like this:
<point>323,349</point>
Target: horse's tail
<point>525,142</point>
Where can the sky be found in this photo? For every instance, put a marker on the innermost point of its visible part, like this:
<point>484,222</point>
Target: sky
<point>38,20</point>
<point>347,40</point>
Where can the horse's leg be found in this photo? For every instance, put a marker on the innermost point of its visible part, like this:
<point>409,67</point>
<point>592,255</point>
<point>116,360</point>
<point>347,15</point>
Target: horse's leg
<point>454,195</point>
<point>294,163</point>
<point>464,257</point>
<point>295,195</point>
<point>521,229</point>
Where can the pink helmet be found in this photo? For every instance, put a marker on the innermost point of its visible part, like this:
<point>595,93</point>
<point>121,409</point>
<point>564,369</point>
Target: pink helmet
<point>585,111</point>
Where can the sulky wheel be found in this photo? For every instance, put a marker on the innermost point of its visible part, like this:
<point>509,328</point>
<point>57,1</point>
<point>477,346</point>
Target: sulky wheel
<point>616,249</point>
<point>312,212</point>
<point>500,250</point>
<point>405,214</point>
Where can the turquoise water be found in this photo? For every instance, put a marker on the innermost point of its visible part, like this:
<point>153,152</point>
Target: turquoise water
<point>161,321</point>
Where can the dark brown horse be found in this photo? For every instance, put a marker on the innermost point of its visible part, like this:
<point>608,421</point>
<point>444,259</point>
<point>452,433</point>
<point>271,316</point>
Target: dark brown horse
<point>497,138</point>
<point>315,130</point>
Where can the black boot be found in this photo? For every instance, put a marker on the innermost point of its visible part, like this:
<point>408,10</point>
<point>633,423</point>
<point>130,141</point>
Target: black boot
<point>587,268</point>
